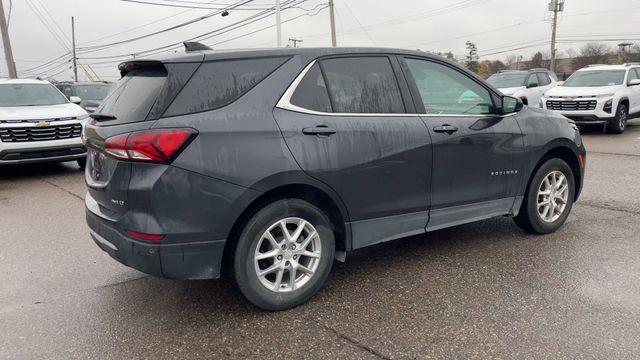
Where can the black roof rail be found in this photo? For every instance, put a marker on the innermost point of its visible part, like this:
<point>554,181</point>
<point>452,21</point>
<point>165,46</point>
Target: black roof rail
<point>195,46</point>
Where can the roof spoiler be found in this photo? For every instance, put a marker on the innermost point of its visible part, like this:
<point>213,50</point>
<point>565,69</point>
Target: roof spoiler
<point>130,65</point>
<point>190,46</point>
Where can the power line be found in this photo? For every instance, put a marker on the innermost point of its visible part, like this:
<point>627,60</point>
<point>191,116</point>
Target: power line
<point>192,21</point>
<point>146,2</point>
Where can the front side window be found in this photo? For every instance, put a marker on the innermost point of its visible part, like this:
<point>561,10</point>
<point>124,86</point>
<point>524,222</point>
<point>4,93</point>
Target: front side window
<point>533,79</point>
<point>595,78</point>
<point>633,74</point>
<point>543,79</point>
<point>311,92</point>
<point>445,90</point>
<point>363,85</point>
<point>30,95</point>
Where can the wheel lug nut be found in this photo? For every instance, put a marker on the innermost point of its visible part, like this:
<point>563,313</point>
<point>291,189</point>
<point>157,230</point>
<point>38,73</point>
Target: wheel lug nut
<point>293,247</point>
<point>295,257</point>
<point>279,257</point>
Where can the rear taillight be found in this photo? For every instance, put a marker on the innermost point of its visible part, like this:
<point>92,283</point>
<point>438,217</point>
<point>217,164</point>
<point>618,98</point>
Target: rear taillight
<point>156,145</point>
<point>145,237</point>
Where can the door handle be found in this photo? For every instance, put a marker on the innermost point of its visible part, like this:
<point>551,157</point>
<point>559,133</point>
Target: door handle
<point>321,130</point>
<point>446,128</point>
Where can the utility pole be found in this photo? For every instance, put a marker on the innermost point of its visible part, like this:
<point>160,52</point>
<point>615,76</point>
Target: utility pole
<point>556,6</point>
<point>6,42</point>
<point>278,24</point>
<point>73,44</point>
<point>295,42</point>
<point>333,23</point>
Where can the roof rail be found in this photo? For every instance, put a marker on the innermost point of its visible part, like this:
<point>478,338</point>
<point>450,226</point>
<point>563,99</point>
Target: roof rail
<point>507,70</point>
<point>539,69</point>
<point>592,65</point>
<point>190,46</point>
<point>631,64</point>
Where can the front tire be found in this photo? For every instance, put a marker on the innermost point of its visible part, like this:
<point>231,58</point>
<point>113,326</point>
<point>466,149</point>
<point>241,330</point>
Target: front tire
<point>284,254</point>
<point>619,123</point>
<point>549,198</point>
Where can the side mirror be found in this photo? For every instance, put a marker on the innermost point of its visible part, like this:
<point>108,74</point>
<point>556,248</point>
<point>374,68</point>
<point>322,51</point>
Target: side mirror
<point>634,82</point>
<point>532,85</point>
<point>75,99</point>
<point>511,105</point>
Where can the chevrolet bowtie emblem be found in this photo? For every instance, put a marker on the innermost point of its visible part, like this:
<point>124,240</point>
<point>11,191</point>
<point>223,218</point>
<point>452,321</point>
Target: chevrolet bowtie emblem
<point>568,99</point>
<point>42,123</point>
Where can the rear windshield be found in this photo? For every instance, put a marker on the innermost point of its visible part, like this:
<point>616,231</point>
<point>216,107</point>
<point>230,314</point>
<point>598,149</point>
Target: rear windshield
<point>92,92</point>
<point>595,78</point>
<point>219,83</point>
<point>133,96</point>
<point>30,95</point>
<point>503,81</point>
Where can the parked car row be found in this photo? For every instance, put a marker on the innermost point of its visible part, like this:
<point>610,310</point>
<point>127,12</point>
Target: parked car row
<point>606,95</point>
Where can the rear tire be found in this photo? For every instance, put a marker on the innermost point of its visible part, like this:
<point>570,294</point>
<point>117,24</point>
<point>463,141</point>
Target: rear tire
<point>547,203</point>
<point>277,271</point>
<point>619,123</point>
<point>82,163</point>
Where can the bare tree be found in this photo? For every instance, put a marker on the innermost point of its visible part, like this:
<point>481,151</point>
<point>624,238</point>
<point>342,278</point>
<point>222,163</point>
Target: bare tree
<point>591,53</point>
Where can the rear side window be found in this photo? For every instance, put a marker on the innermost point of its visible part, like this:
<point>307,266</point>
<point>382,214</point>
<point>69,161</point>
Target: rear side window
<point>133,96</point>
<point>219,83</point>
<point>363,85</point>
<point>312,93</point>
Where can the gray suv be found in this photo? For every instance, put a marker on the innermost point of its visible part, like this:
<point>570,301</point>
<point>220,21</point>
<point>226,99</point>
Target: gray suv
<point>267,165</point>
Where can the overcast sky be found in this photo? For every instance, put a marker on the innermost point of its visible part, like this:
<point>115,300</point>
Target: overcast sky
<point>496,26</point>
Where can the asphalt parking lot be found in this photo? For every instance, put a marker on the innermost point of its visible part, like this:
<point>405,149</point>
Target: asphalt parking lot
<point>480,290</point>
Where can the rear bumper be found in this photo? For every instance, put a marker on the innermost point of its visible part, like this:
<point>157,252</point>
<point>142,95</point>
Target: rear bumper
<point>199,260</point>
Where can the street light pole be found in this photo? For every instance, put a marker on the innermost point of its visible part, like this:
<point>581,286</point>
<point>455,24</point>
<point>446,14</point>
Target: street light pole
<point>6,41</point>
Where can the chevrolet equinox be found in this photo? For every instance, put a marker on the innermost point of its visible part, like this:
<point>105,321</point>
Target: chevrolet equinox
<point>269,164</point>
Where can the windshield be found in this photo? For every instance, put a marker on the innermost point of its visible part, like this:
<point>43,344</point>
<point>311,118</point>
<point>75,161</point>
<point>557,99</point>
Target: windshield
<point>92,92</point>
<point>507,80</point>
<point>595,78</point>
<point>30,95</point>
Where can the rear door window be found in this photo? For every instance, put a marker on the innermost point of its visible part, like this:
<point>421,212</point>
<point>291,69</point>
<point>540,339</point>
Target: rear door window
<point>311,93</point>
<point>133,96</point>
<point>219,83</point>
<point>363,85</point>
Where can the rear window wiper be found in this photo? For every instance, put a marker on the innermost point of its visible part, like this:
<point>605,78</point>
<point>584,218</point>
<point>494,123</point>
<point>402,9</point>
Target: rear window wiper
<point>102,117</point>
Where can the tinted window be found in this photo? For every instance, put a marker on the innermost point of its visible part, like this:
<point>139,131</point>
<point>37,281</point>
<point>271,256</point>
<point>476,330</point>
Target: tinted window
<point>363,85</point>
<point>445,90</point>
<point>133,96</point>
<point>312,93</point>
<point>30,95</point>
<point>543,79</point>
<point>533,79</point>
<point>219,83</point>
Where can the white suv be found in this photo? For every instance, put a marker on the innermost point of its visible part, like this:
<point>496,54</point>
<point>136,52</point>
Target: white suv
<point>38,123</point>
<point>598,94</point>
<point>527,86</point>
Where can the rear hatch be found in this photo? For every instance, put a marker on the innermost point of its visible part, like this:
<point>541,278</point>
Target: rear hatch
<point>136,101</point>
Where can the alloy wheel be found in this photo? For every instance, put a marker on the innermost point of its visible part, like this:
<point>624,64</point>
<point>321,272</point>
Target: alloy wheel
<point>287,255</point>
<point>553,194</point>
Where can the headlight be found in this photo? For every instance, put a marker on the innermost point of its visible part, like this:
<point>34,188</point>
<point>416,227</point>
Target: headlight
<point>83,117</point>
<point>91,108</point>
<point>608,106</point>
